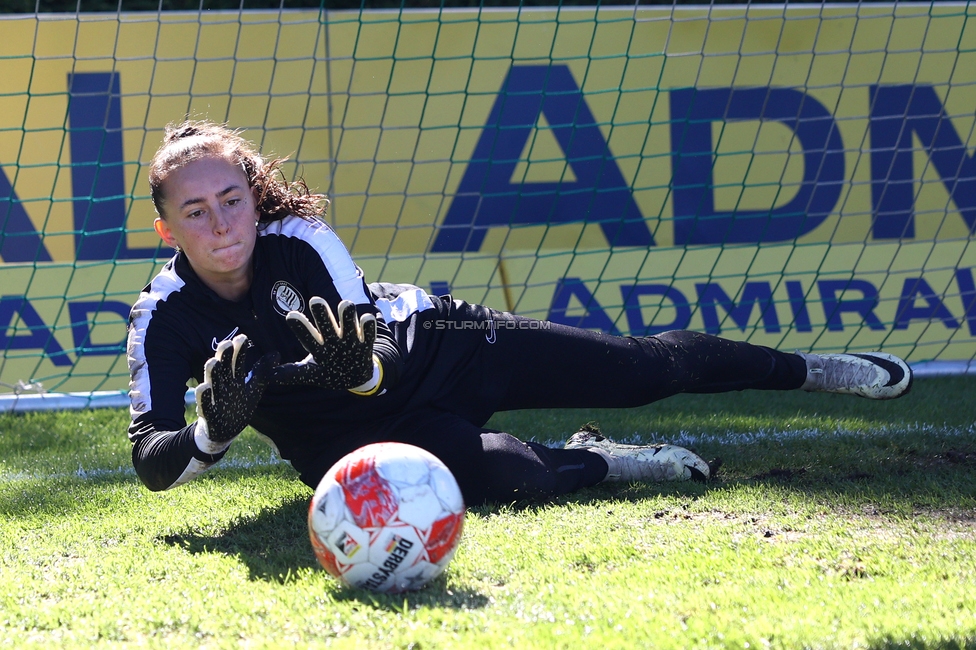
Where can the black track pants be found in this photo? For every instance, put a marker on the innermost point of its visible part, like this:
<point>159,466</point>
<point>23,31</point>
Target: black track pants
<point>523,364</point>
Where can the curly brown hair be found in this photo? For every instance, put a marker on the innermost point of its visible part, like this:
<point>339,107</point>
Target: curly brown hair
<point>193,140</point>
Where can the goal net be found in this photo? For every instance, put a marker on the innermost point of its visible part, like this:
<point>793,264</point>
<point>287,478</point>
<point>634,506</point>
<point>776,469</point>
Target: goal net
<point>796,176</point>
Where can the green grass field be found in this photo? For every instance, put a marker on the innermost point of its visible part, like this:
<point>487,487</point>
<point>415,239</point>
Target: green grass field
<point>835,523</point>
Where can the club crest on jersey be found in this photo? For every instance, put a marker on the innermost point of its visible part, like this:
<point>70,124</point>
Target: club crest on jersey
<point>286,298</point>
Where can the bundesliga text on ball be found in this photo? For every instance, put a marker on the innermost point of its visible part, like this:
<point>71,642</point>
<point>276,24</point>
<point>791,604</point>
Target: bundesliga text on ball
<point>397,551</point>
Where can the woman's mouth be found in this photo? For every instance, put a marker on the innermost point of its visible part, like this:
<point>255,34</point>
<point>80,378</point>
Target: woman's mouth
<point>221,249</point>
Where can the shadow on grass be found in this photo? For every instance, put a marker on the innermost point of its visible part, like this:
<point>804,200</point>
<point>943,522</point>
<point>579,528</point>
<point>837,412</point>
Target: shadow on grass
<point>435,594</point>
<point>603,493</point>
<point>274,546</point>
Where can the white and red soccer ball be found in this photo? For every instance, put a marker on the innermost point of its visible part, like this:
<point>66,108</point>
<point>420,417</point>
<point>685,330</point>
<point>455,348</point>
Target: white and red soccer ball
<point>387,518</point>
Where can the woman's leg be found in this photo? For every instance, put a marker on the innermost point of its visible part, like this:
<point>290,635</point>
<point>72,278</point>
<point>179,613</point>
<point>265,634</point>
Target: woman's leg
<point>495,466</point>
<point>490,466</point>
<point>554,366</point>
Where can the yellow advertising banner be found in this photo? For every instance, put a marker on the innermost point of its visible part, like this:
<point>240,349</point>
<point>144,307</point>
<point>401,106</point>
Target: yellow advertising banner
<point>801,177</point>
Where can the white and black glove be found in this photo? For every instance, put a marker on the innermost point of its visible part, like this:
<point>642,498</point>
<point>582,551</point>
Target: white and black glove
<point>227,398</point>
<point>340,352</point>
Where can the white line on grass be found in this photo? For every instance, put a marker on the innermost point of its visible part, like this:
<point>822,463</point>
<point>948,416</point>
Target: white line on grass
<point>683,439</point>
<point>688,439</point>
<point>120,472</point>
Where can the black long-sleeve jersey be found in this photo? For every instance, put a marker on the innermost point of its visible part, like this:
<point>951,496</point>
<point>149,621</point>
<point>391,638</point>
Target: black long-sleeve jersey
<point>177,323</point>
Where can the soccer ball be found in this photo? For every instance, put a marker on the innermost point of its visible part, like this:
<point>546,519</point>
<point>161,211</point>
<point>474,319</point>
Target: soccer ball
<point>387,518</point>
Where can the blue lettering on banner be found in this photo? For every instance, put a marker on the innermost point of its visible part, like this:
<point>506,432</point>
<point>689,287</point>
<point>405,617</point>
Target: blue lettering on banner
<point>486,196</point>
<point>632,308</point>
<point>81,326</point>
<point>758,294</point>
<point>692,157</point>
<point>97,180</point>
<point>39,336</point>
<point>19,240</point>
<point>835,307</point>
<point>798,304</point>
<point>593,315</point>
<point>897,114</point>
<point>440,288</point>
<point>918,302</point>
<point>913,290</point>
<point>97,167</point>
<point>967,291</point>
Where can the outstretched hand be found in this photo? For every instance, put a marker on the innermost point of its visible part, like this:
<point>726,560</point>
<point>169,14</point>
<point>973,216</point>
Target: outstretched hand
<point>227,398</point>
<point>340,352</point>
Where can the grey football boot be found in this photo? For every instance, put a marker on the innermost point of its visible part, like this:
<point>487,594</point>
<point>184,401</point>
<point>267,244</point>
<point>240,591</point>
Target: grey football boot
<point>630,463</point>
<point>875,375</point>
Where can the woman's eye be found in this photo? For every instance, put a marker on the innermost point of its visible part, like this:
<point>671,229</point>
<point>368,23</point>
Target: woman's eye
<point>233,201</point>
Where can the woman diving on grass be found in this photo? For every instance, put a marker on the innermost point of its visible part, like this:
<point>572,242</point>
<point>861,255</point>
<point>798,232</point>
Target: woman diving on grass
<point>263,306</point>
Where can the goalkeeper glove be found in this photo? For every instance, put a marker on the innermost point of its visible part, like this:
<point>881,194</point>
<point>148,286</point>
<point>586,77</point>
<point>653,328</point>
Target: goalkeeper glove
<point>227,398</point>
<point>340,352</point>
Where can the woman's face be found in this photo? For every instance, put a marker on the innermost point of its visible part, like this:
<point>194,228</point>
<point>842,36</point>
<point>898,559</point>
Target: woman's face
<point>210,212</point>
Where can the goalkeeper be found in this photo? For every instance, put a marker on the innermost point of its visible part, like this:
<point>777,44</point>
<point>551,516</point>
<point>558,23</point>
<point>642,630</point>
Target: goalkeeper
<point>263,306</point>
